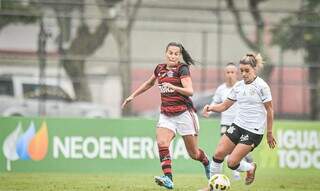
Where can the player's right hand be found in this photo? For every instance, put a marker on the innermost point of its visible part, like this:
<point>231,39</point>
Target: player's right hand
<point>129,99</point>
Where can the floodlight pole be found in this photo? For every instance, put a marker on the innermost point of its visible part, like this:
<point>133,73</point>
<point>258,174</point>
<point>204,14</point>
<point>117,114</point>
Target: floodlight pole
<point>42,56</point>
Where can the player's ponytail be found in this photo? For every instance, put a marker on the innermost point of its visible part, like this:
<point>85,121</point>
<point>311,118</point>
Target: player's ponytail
<point>185,55</point>
<point>254,60</point>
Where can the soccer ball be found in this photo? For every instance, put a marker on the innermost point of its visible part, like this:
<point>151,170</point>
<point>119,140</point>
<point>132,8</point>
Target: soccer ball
<point>219,182</point>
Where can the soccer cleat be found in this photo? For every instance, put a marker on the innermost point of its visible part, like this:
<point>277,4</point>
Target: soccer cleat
<point>250,174</point>
<point>164,181</point>
<point>207,170</point>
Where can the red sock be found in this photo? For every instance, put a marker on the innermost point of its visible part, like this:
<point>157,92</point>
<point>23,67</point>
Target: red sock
<point>165,160</point>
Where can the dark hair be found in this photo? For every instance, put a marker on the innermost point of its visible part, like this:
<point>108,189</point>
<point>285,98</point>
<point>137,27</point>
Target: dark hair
<point>185,55</point>
<point>253,60</point>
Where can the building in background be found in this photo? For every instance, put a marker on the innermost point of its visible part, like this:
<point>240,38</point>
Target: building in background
<point>206,28</point>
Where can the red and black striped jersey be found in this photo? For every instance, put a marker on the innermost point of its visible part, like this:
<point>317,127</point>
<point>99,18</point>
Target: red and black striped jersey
<point>172,102</point>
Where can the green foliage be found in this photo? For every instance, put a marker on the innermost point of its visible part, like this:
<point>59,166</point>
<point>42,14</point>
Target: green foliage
<point>15,12</point>
<point>300,30</point>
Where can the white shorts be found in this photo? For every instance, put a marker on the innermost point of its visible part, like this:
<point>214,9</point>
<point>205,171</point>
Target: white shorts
<point>186,123</point>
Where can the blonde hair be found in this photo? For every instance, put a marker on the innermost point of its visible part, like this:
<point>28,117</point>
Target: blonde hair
<point>255,60</point>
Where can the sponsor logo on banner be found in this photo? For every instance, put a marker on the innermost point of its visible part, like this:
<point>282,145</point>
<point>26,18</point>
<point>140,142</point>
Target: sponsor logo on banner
<point>112,147</point>
<point>28,145</point>
<point>299,148</point>
<point>296,149</point>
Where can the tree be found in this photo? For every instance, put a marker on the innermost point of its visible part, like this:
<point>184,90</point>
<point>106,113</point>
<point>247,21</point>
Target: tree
<point>300,31</point>
<point>257,45</point>
<point>74,50</point>
<point>121,31</point>
<point>86,43</point>
<point>24,13</point>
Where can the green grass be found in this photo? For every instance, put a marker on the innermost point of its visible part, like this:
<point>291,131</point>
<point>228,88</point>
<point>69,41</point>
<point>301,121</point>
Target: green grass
<point>267,180</point>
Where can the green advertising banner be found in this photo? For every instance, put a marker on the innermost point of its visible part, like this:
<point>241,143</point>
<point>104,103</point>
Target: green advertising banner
<point>89,145</point>
<point>128,145</point>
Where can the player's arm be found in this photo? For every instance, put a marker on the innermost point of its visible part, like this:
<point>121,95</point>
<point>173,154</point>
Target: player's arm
<point>216,99</point>
<point>186,88</point>
<point>142,88</point>
<point>271,141</point>
<point>221,107</point>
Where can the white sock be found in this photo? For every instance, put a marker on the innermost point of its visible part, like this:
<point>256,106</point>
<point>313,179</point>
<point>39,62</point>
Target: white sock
<point>248,158</point>
<point>215,168</point>
<point>244,166</point>
<point>235,173</point>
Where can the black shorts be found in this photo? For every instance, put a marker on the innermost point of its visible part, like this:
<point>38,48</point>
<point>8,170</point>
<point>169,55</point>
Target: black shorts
<point>239,135</point>
<point>223,129</point>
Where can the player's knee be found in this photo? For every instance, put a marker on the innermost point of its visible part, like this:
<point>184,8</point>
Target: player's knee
<point>162,143</point>
<point>232,164</point>
<point>219,154</point>
<point>194,154</point>
<point>234,167</point>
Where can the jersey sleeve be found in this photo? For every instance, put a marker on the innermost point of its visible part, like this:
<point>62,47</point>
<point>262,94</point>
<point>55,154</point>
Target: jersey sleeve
<point>265,93</point>
<point>233,93</point>
<point>156,70</point>
<point>184,71</point>
<point>217,98</point>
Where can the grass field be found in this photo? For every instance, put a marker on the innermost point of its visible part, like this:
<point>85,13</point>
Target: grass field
<point>301,180</point>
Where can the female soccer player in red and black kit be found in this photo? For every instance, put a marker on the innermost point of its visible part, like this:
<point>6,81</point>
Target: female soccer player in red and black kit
<point>177,111</point>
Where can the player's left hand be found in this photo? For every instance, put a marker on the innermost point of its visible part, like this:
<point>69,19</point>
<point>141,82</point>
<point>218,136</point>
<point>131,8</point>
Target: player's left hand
<point>271,140</point>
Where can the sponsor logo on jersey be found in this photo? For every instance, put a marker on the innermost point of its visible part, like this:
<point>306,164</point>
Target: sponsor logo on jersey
<point>165,89</point>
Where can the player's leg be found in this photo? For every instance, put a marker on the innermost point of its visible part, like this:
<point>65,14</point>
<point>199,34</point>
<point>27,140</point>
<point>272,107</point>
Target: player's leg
<point>227,143</point>
<point>236,174</point>
<point>223,129</point>
<point>224,147</point>
<point>164,137</point>
<point>165,132</point>
<point>248,141</point>
<point>191,143</point>
<point>249,158</point>
<point>236,161</point>
<point>188,128</point>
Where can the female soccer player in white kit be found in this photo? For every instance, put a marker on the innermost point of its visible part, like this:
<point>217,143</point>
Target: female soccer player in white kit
<point>254,110</point>
<point>228,116</point>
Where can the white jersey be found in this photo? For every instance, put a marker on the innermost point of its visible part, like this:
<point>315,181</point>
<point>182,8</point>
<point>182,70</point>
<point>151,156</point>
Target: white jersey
<point>251,114</point>
<point>221,94</point>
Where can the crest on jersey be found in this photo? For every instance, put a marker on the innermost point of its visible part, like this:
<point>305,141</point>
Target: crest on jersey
<point>170,74</point>
<point>252,91</point>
